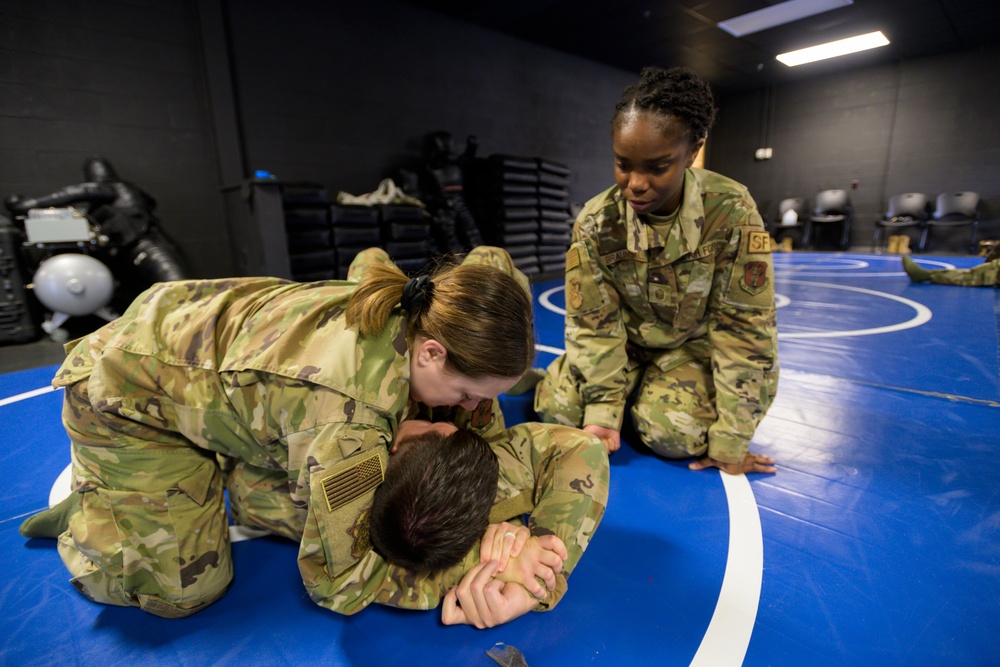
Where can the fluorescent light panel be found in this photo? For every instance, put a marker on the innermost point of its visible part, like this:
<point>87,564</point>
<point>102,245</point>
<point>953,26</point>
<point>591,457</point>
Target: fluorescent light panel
<point>841,47</point>
<point>779,14</point>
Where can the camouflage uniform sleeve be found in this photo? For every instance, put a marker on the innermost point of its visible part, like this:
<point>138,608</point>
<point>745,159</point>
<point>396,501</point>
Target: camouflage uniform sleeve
<point>595,332</point>
<point>339,567</point>
<point>743,333</point>
<point>564,471</point>
<point>372,579</point>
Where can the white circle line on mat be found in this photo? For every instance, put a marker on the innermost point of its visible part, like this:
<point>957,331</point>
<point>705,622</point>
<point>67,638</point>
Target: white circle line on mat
<point>728,635</point>
<point>923,315</point>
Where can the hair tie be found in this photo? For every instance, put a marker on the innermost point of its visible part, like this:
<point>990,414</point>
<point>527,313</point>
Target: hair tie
<point>416,293</point>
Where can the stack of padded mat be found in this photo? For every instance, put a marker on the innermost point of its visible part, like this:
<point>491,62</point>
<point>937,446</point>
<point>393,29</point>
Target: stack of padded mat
<point>504,200</point>
<point>306,208</point>
<point>406,236</point>
<point>353,229</point>
<point>555,221</point>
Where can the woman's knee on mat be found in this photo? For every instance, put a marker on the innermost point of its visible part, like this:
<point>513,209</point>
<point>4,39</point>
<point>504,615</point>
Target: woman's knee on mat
<point>671,433</point>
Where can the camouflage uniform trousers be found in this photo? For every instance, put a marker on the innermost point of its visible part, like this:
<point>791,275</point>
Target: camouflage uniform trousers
<point>152,529</point>
<point>672,408</point>
<point>984,275</point>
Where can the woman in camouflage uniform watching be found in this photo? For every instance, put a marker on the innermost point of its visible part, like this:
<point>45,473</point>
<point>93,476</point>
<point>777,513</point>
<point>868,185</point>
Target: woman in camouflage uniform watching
<point>669,293</point>
<point>289,395</point>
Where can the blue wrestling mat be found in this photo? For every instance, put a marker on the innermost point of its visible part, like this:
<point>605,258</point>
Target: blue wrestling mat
<point>876,543</point>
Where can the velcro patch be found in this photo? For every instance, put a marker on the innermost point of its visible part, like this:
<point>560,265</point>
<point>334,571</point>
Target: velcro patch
<point>572,258</point>
<point>758,243</point>
<point>344,486</point>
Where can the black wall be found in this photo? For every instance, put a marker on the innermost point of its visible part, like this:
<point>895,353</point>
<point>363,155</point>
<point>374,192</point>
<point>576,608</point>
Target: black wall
<point>341,92</point>
<point>926,125</point>
<point>177,93</point>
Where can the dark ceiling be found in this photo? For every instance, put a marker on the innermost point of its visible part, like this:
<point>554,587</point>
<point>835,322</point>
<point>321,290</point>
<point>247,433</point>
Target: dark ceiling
<point>630,34</point>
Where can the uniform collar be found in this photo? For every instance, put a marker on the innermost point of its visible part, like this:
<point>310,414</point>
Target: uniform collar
<point>691,217</point>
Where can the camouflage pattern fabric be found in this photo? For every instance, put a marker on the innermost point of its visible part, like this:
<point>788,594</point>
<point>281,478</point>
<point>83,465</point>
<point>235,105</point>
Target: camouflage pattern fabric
<point>557,475</point>
<point>681,313</point>
<point>254,383</point>
<point>986,274</point>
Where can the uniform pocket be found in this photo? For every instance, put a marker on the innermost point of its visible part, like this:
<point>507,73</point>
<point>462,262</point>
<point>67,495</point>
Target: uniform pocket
<point>694,284</point>
<point>662,293</point>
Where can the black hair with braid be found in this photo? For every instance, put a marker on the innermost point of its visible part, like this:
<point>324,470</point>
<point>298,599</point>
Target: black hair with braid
<point>676,92</point>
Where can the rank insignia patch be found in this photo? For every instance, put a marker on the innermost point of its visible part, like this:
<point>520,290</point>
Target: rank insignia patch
<point>342,487</point>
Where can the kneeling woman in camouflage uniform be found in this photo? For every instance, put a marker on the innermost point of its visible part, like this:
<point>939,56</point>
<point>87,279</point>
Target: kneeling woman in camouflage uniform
<point>289,394</point>
<point>669,292</point>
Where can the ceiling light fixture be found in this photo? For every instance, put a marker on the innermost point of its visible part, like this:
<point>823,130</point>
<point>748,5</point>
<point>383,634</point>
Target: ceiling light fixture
<point>779,14</point>
<point>841,47</point>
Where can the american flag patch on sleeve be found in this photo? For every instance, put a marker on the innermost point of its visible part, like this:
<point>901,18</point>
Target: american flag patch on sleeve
<point>344,486</point>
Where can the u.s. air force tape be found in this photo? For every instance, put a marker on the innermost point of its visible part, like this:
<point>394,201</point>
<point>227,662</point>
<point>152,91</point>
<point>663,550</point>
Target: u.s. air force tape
<point>345,485</point>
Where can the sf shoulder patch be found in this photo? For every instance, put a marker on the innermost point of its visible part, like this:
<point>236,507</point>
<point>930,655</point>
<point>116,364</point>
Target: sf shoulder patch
<point>345,485</point>
<point>758,243</point>
<point>751,284</point>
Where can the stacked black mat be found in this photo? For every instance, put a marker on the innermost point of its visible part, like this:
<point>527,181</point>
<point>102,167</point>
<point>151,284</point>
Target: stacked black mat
<point>556,222</point>
<point>353,229</point>
<point>324,238</point>
<point>307,226</point>
<point>522,204</point>
<point>406,236</point>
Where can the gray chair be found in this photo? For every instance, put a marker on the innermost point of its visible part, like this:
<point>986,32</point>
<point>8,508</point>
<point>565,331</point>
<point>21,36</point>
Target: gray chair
<point>904,211</point>
<point>959,209</point>
<point>833,209</point>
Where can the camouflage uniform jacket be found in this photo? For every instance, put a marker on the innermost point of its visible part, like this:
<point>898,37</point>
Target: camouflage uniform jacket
<point>703,290</point>
<point>266,371</point>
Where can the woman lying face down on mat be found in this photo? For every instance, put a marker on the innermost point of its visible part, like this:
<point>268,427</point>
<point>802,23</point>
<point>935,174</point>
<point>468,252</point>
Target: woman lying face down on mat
<point>669,293</point>
<point>289,396</point>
